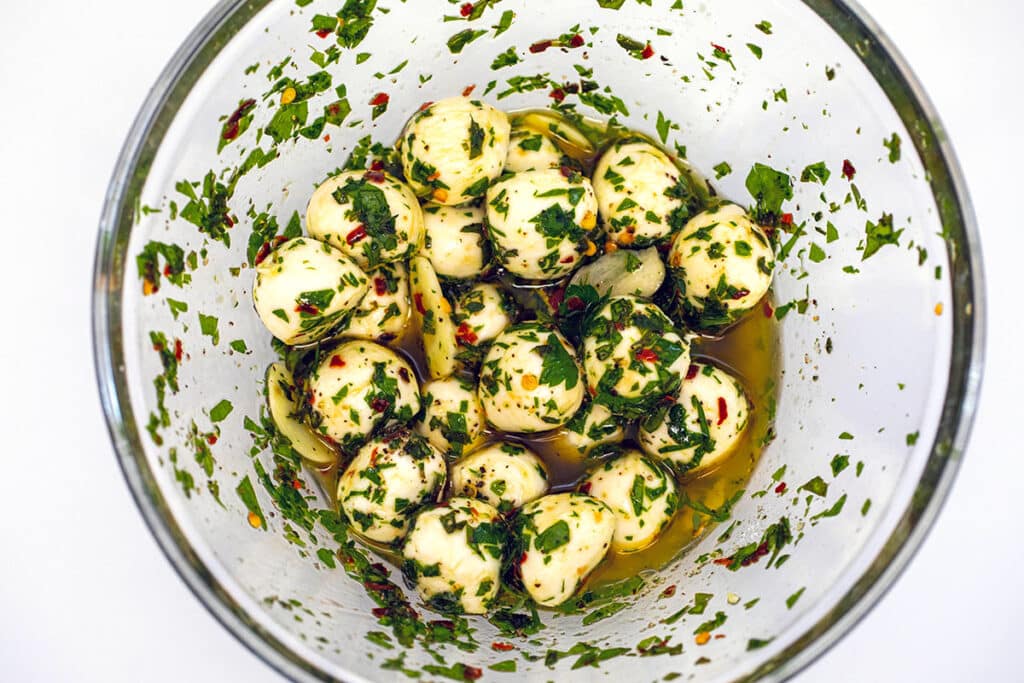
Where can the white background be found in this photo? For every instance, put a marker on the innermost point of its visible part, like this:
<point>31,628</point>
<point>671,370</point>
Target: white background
<point>85,593</point>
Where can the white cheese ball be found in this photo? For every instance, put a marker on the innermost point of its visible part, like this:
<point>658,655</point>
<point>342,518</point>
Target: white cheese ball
<point>643,197</point>
<point>624,271</point>
<point>633,356</point>
<point>452,416</point>
<point>383,314</point>
<point>304,288</point>
<point>454,148</point>
<point>593,425</point>
<point>530,380</point>
<point>540,222</point>
<point>481,314</point>
<point>722,265</point>
<point>504,474</point>
<point>562,537</point>
<point>640,492</point>
<point>359,386</point>
<point>529,150</point>
<point>453,554</point>
<point>371,216</point>
<point>455,242</point>
<point>702,426</point>
<point>388,481</point>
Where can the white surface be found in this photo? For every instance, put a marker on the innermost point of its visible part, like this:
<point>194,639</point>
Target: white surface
<point>85,593</point>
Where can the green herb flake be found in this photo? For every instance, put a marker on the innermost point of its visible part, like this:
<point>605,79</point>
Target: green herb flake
<point>840,463</point>
<point>239,346</point>
<point>791,600</point>
<point>722,169</point>
<point>221,410</point>
<point>912,438</point>
<point>893,145</point>
<point>208,326</point>
<point>755,49</point>
<point>463,38</point>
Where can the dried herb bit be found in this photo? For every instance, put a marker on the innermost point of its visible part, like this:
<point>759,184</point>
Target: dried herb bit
<point>721,170</point>
<point>720,514</point>
<point>758,643</point>
<point>252,504</point>
<point>817,486</point>
<point>506,58</point>
<point>815,173</point>
<point>636,49</point>
<point>586,655</point>
<point>148,264</point>
<point>769,188</point>
<point>893,145</point>
<point>764,27</point>
<point>832,511</point>
<point>463,38</point>
<point>610,4</point>
<point>208,211</point>
<point>755,50</point>
<point>878,235</point>
<point>775,538</point>
<point>456,672</point>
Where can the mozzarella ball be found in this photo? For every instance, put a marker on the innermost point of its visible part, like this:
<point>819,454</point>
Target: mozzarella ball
<point>452,417</point>
<point>642,495</point>
<point>371,216</point>
<point>643,197</point>
<point>539,222</point>
<point>383,314</point>
<point>593,425</point>
<point>624,271</point>
<point>455,241</point>
<point>504,474</point>
<point>452,556</point>
<point>722,265</point>
<point>530,380</point>
<point>562,537</point>
<point>304,288</point>
<point>388,481</point>
<point>633,356</point>
<point>359,386</point>
<point>529,150</point>
<point>702,426</point>
<point>454,148</point>
<point>481,314</point>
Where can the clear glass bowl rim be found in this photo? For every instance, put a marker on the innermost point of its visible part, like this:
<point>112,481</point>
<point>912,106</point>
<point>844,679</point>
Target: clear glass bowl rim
<point>905,93</point>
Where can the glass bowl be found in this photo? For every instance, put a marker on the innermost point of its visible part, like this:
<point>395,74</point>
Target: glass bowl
<point>881,356</point>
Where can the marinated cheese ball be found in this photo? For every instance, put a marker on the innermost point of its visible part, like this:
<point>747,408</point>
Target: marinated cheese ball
<point>593,425</point>
<point>562,538</point>
<point>722,265</point>
<point>702,425</point>
<point>540,222</point>
<point>481,314</point>
<point>452,417</point>
<point>640,492</point>
<point>633,356</point>
<point>454,148</point>
<point>383,314</point>
<point>452,556</point>
<point>371,216</point>
<point>643,197</point>
<point>455,241</point>
<point>624,271</point>
<point>305,288</point>
<point>530,380</point>
<point>359,386</point>
<point>504,474</point>
<point>529,150</point>
<point>388,481</point>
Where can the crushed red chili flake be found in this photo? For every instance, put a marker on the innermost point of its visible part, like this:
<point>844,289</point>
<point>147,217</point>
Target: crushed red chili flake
<point>296,484</point>
<point>468,90</point>
<point>619,326</point>
<point>669,591</point>
<point>540,46</point>
<point>307,308</point>
<point>647,356</point>
<point>667,398</point>
<point>724,561</point>
<point>418,299</point>
<point>337,361</point>
<point>167,270</point>
<point>425,105</point>
<point>648,52</point>
<point>568,259</point>
<point>375,176</point>
<point>471,673</point>
<point>848,170</point>
<point>740,293</point>
<point>691,371</point>
<point>211,439</point>
<point>231,126</point>
<point>466,9</point>
<point>327,138</point>
<point>380,286</point>
<point>377,165</point>
<point>380,612</point>
<point>575,303</point>
<point>465,335</point>
<point>502,647</point>
<point>377,586</point>
<point>719,48</point>
<point>178,352</point>
<point>567,171</point>
<point>379,404</point>
<point>380,99</point>
<point>556,297</point>
<point>357,234</point>
<point>443,623</point>
<point>324,32</point>
<point>781,488</point>
<point>723,410</point>
<point>767,309</point>
<point>522,558</point>
<point>557,95</point>
<point>585,487</point>
<point>576,41</point>
<point>786,219</point>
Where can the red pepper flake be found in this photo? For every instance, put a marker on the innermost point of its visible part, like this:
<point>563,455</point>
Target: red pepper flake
<point>522,558</point>
<point>647,356</point>
<point>380,612</point>
<point>380,286</point>
<point>357,234</point>
<point>418,299</point>
<point>691,371</point>
<point>576,41</point>
<point>306,308</point>
<point>324,32</point>
<point>471,673</point>
<point>556,297</point>
<point>327,138</point>
<point>379,404</point>
<point>723,410</point>
<point>280,239</point>
<point>377,165</point>
<point>447,624</point>
<point>466,9</point>
<point>568,259</point>
<point>669,591</point>
<point>557,95</point>
<point>786,219</point>
<point>648,52</point>
<point>781,488</point>
<point>380,99</point>
<point>574,303</point>
<point>231,126</point>
<point>468,90</point>
<point>740,293</point>
<point>719,636</point>
<point>668,399</point>
<point>848,169</point>
<point>211,439</point>
<point>540,46</point>
<point>296,484</point>
<point>724,561</point>
<point>719,48</point>
<point>619,326</point>
<point>375,176</point>
<point>167,270</point>
<point>767,309</point>
<point>425,105</point>
<point>502,647</point>
<point>178,353</point>
<point>585,488</point>
<point>337,361</point>
<point>465,335</point>
<point>567,171</point>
